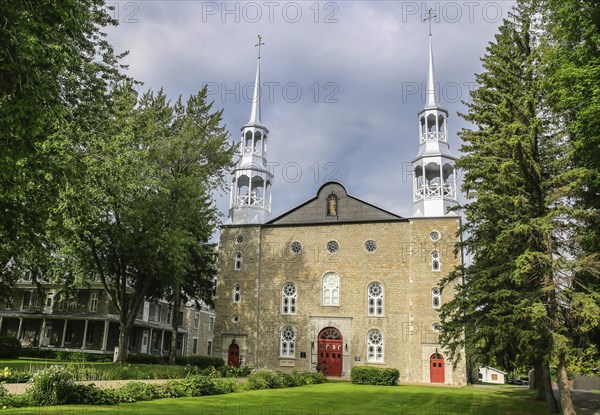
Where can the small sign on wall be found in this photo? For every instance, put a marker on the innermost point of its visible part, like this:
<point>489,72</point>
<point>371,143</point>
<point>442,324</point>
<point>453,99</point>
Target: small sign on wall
<point>303,355</point>
<point>357,358</point>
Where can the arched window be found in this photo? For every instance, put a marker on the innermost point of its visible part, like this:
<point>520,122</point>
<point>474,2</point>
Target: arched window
<point>375,294</point>
<point>288,342</point>
<point>375,346</point>
<point>436,301</point>
<point>288,298</point>
<point>435,261</point>
<point>238,261</point>
<point>237,293</point>
<point>331,289</point>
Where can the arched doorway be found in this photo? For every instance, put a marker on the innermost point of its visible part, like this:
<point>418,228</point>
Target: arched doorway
<point>330,351</point>
<point>233,355</point>
<point>436,368</point>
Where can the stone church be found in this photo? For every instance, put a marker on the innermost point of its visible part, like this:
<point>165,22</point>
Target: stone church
<point>338,282</point>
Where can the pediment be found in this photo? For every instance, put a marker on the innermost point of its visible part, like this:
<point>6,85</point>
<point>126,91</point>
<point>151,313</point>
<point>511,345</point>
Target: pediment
<point>333,204</point>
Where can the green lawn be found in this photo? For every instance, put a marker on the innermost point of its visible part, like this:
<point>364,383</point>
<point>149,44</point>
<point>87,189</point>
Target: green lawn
<point>331,399</point>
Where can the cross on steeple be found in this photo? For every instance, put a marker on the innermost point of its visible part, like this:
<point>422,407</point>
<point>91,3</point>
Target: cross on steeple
<point>259,44</point>
<point>429,18</point>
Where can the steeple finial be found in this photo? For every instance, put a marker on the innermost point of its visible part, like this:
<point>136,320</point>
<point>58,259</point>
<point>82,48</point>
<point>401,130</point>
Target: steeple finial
<point>431,101</point>
<point>259,44</point>
<point>255,111</point>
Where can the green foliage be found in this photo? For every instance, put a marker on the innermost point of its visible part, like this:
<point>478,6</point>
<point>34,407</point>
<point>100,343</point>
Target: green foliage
<point>92,395</point>
<point>52,386</point>
<point>368,375</point>
<point>197,385</point>
<point>235,372</point>
<point>138,391</point>
<point>10,348</point>
<point>202,362</point>
<point>146,359</point>
<point>267,379</point>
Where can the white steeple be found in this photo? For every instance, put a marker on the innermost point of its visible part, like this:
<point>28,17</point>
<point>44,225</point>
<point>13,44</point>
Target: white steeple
<point>434,174</point>
<point>250,198</point>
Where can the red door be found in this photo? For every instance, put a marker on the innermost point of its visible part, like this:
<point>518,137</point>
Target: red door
<point>233,356</point>
<point>436,368</point>
<point>330,352</point>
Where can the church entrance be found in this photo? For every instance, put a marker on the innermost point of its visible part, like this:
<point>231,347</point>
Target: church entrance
<point>233,355</point>
<point>330,352</point>
<point>436,368</point>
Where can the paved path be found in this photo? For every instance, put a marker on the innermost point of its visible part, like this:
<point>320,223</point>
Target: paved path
<point>586,402</point>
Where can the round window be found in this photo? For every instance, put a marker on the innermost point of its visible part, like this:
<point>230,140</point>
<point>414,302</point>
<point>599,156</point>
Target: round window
<point>370,245</point>
<point>235,319</point>
<point>239,239</point>
<point>434,236</point>
<point>333,246</point>
<point>296,247</point>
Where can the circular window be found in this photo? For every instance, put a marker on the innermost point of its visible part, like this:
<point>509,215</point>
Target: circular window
<point>435,254</point>
<point>289,289</point>
<point>235,319</point>
<point>239,239</point>
<point>296,247</point>
<point>370,245</point>
<point>333,246</point>
<point>436,291</point>
<point>436,326</point>
<point>375,337</point>
<point>287,334</point>
<point>434,236</point>
<point>375,289</point>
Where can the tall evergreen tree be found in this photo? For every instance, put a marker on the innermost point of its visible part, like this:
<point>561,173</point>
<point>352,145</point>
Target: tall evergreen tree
<point>522,225</point>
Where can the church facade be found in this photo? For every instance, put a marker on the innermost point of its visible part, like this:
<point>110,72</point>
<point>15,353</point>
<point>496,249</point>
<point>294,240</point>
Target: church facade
<point>338,282</point>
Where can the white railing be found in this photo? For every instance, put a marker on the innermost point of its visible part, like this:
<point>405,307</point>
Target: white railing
<point>248,151</point>
<point>434,191</point>
<point>251,201</point>
<point>429,137</point>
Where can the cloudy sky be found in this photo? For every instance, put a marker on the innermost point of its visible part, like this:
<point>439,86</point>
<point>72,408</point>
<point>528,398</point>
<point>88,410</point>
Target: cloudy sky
<point>342,81</point>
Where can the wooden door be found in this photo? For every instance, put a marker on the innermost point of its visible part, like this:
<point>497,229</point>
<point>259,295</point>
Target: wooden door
<point>330,352</point>
<point>233,355</point>
<point>436,368</point>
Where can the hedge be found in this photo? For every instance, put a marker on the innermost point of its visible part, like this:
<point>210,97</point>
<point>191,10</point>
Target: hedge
<point>202,362</point>
<point>368,375</point>
<point>10,348</point>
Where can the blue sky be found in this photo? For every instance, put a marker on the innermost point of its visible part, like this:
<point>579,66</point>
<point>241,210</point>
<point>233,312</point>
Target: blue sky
<point>342,81</point>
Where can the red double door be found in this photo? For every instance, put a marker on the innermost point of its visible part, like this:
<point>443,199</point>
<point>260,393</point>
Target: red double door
<point>330,351</point>
<point>436,368</point>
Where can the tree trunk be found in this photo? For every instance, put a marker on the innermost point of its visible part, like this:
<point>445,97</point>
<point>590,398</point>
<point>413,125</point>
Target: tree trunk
<point>551,405</point>
<point>564,389</point>
<point>123,343</point>
<point>175,326</point>
<point>540,386</point>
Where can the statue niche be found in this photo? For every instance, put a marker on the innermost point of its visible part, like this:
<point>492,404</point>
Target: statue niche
<point>332,205</point>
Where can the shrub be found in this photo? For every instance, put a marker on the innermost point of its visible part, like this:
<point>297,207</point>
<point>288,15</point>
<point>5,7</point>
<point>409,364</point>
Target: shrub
<point>10,348</point>
<point>93,395</point>
<point>368,375</point>
<point>193,386</point>
<point>223,386</point>
<point>138,391</point>
<point>52,386</point>
<point>313,378</point>
<point>264,379</point>
<point>235,372</point>
<point>146,359</point>
<point>40,353</point>
<point>202,362</point>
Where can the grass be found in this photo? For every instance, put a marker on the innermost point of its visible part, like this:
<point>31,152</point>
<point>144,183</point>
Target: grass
<point>331,398</point>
